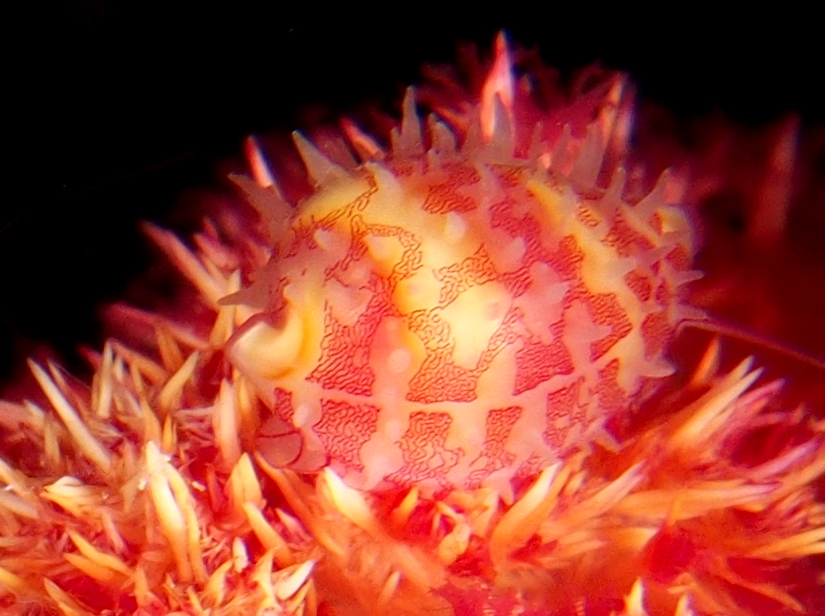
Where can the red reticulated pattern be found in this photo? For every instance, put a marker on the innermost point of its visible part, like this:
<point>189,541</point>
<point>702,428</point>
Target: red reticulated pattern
<point>494,454</point>
<point>446,196</point>
<point>458,277</point>
<point>344,428</point>
<point>537,362</point>
<point>542,370</point>
<point>564,413</point>
<point>425,452</point>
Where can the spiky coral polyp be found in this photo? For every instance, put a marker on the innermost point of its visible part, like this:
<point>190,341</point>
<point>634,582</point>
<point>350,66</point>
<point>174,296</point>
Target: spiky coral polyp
<point>145,493</point>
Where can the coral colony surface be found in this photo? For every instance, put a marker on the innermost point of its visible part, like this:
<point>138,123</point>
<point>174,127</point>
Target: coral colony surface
<point>460,375</point>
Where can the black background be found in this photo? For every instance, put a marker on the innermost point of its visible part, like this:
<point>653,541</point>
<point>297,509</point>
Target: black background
<point>119,108</point>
